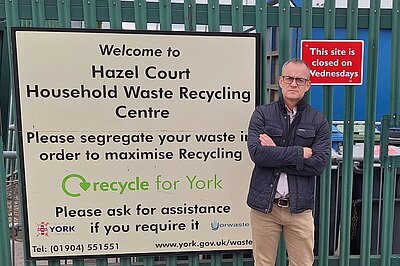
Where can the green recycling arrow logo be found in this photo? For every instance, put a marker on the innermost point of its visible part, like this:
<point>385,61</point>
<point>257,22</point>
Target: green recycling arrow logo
<point>84,185</point>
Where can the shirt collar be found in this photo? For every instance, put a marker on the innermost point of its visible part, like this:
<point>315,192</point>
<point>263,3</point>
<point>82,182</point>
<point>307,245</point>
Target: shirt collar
<point>291,112</point>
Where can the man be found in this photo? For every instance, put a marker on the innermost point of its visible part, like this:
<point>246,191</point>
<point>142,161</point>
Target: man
<point>289,143</point>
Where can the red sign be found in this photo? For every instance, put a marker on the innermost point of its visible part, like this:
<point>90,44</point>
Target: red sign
<point>392,150</point>
<point>334,62</point>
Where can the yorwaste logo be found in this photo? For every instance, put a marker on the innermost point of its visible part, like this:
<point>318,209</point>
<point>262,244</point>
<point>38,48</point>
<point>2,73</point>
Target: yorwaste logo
<point>74,185</point>
<point>215,225</point>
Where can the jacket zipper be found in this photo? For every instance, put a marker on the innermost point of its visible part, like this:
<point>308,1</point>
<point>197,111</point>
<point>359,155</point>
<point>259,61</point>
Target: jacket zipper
<point>277,177</point>
<point>289,132</point>
<point>272,194</point>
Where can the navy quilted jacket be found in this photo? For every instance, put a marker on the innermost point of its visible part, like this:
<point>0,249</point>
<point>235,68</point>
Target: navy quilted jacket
<point>308,129</point>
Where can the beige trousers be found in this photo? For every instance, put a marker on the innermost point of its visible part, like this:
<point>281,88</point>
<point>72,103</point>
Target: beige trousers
<point>298,232</point>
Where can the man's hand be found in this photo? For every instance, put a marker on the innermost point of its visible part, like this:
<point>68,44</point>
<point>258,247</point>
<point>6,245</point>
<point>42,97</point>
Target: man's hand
<point>307,152</point>
<point>266,140</point>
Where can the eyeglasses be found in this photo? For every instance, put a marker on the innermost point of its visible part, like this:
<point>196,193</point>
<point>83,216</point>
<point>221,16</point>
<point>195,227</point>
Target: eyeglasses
<point>299,81</point>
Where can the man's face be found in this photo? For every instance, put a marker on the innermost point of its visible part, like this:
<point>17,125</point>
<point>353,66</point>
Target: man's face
<point>292,91</point>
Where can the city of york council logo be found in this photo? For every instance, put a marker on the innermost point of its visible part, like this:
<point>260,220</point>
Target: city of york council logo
<point>45,229</point>
<point>42,229</point>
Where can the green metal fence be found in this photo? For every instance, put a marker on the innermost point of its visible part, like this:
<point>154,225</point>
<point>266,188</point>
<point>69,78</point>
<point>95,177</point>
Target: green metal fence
<point>238,17</point>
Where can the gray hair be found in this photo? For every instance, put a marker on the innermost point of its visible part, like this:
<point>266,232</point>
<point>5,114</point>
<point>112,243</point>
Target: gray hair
<point>298,62</point>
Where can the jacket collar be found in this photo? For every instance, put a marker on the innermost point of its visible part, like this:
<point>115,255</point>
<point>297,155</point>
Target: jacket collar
<point>301,105</point>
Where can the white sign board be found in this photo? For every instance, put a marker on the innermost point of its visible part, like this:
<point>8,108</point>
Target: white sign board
<point>134,142</point>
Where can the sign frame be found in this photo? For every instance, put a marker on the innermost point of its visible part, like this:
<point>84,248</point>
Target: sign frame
<point>21,130</point>
<point>342,44</point>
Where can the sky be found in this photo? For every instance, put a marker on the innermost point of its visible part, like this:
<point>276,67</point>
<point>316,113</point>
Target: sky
<point>316,3</point>
<point>361,3</point>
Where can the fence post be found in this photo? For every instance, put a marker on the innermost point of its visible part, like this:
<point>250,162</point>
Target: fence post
<point>89,14</point>
<point>213,16</point>
<point>114,11</point>
<point>237,16</point>
<point>165,15</point>
<point>390,164</point>
<point>306,29</point>
<point>369,141</point>
<point>38,15</point>
<point>261,27</point>
<point>5,250</point>
<point>190,15</point>
<point>395,60</point>
<point>326,178</point>
<point>11,9</point>
<point>284,55</point>
<point>347,177</point>
<point>140,9</point>
<point>64,13</point>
